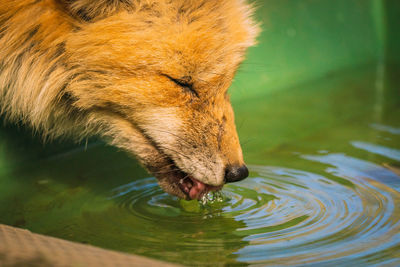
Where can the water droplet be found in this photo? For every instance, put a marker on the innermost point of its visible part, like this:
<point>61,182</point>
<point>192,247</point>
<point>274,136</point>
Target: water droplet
<point>212,197</point>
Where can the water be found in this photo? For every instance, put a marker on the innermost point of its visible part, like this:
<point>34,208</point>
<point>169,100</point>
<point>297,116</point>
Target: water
<point>324,186</point>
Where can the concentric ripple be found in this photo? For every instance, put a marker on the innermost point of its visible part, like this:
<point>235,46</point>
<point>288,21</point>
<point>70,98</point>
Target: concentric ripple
<point>348,213</point>
<point>327,193</point>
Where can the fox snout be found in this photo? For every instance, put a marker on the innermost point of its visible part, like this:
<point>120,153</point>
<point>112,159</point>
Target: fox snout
<point>199,143</point>
<point>236,173</point>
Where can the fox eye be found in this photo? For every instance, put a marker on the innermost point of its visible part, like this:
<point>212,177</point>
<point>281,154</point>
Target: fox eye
<point>184,84</point>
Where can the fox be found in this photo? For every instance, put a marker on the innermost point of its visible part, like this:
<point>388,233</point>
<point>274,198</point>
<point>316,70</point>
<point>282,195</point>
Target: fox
<point>150,77</point>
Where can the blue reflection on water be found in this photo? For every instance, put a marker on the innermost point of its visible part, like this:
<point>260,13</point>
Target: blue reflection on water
<point>388,152</point>
<point>385,128</point>
<point>349,167</point>
<point>315,219</point>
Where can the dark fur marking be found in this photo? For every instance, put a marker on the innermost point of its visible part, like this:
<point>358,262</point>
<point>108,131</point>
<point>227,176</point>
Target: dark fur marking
<point>98,71</point>
<point>18,59</point>
<point>31,33</point>
<point>81,13</point>
<point>3,24</point>
<point>188,11</point>
<point>4,18</point>
<point>90,11</point>
<point>60,49</point>
<point>63,87</point>
<point>84,77</point>
<point>34,3</point>
<point>73,76</point>
<point>99,86</point>
<point>111,107</point>
<point>2,65</point>
<point>76,28</point>
<point>51,70</point>
<point>3,30</point>
<point>193,19</point>
<point>182,10</point>
<point>31,46</point>
<point>125,2</point>
<point>67,98</point>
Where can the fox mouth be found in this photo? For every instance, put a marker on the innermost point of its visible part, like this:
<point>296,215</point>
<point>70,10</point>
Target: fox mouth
<point>154,157</point>
<point>183,185</point>
<point>172,179</point>
<point>195,189</point>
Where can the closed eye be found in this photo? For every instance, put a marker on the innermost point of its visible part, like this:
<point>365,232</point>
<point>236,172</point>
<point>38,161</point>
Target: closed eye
<point>184,84</point>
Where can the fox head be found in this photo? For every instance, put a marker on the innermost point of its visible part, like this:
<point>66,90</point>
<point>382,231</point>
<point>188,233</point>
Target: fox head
<point>152,77</point>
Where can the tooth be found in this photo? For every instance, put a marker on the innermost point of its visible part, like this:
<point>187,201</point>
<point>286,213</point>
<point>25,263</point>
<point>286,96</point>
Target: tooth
<point>181,181</point>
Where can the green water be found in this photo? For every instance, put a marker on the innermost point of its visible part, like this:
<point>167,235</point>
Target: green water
<point>323,186</point>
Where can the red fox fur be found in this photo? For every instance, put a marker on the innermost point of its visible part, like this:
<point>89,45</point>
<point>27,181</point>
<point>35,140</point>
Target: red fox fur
<point>150,76</point>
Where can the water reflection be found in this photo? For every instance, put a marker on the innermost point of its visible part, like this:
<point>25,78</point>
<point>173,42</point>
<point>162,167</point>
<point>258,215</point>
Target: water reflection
<point>314,220</point>
<point>180,231</point>
<point>388,152</point>
<point>278,215</point>
<point>354,169</point>
<point>386,128</point>
<point>325,189</point>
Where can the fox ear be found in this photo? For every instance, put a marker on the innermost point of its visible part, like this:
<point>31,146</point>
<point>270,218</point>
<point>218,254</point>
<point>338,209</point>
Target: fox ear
<point>92,10</point>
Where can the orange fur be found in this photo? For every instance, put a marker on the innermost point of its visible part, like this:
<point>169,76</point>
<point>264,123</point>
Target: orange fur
<point>150,76</point>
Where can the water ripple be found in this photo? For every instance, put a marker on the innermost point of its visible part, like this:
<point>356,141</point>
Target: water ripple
<point>325,222</point>
<point>286,215</point>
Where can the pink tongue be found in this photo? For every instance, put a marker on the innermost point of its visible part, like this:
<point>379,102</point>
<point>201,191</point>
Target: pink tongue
<point>197,189</point>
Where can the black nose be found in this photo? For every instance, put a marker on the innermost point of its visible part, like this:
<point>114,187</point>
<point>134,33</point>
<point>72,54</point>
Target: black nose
<point>235,173</point>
